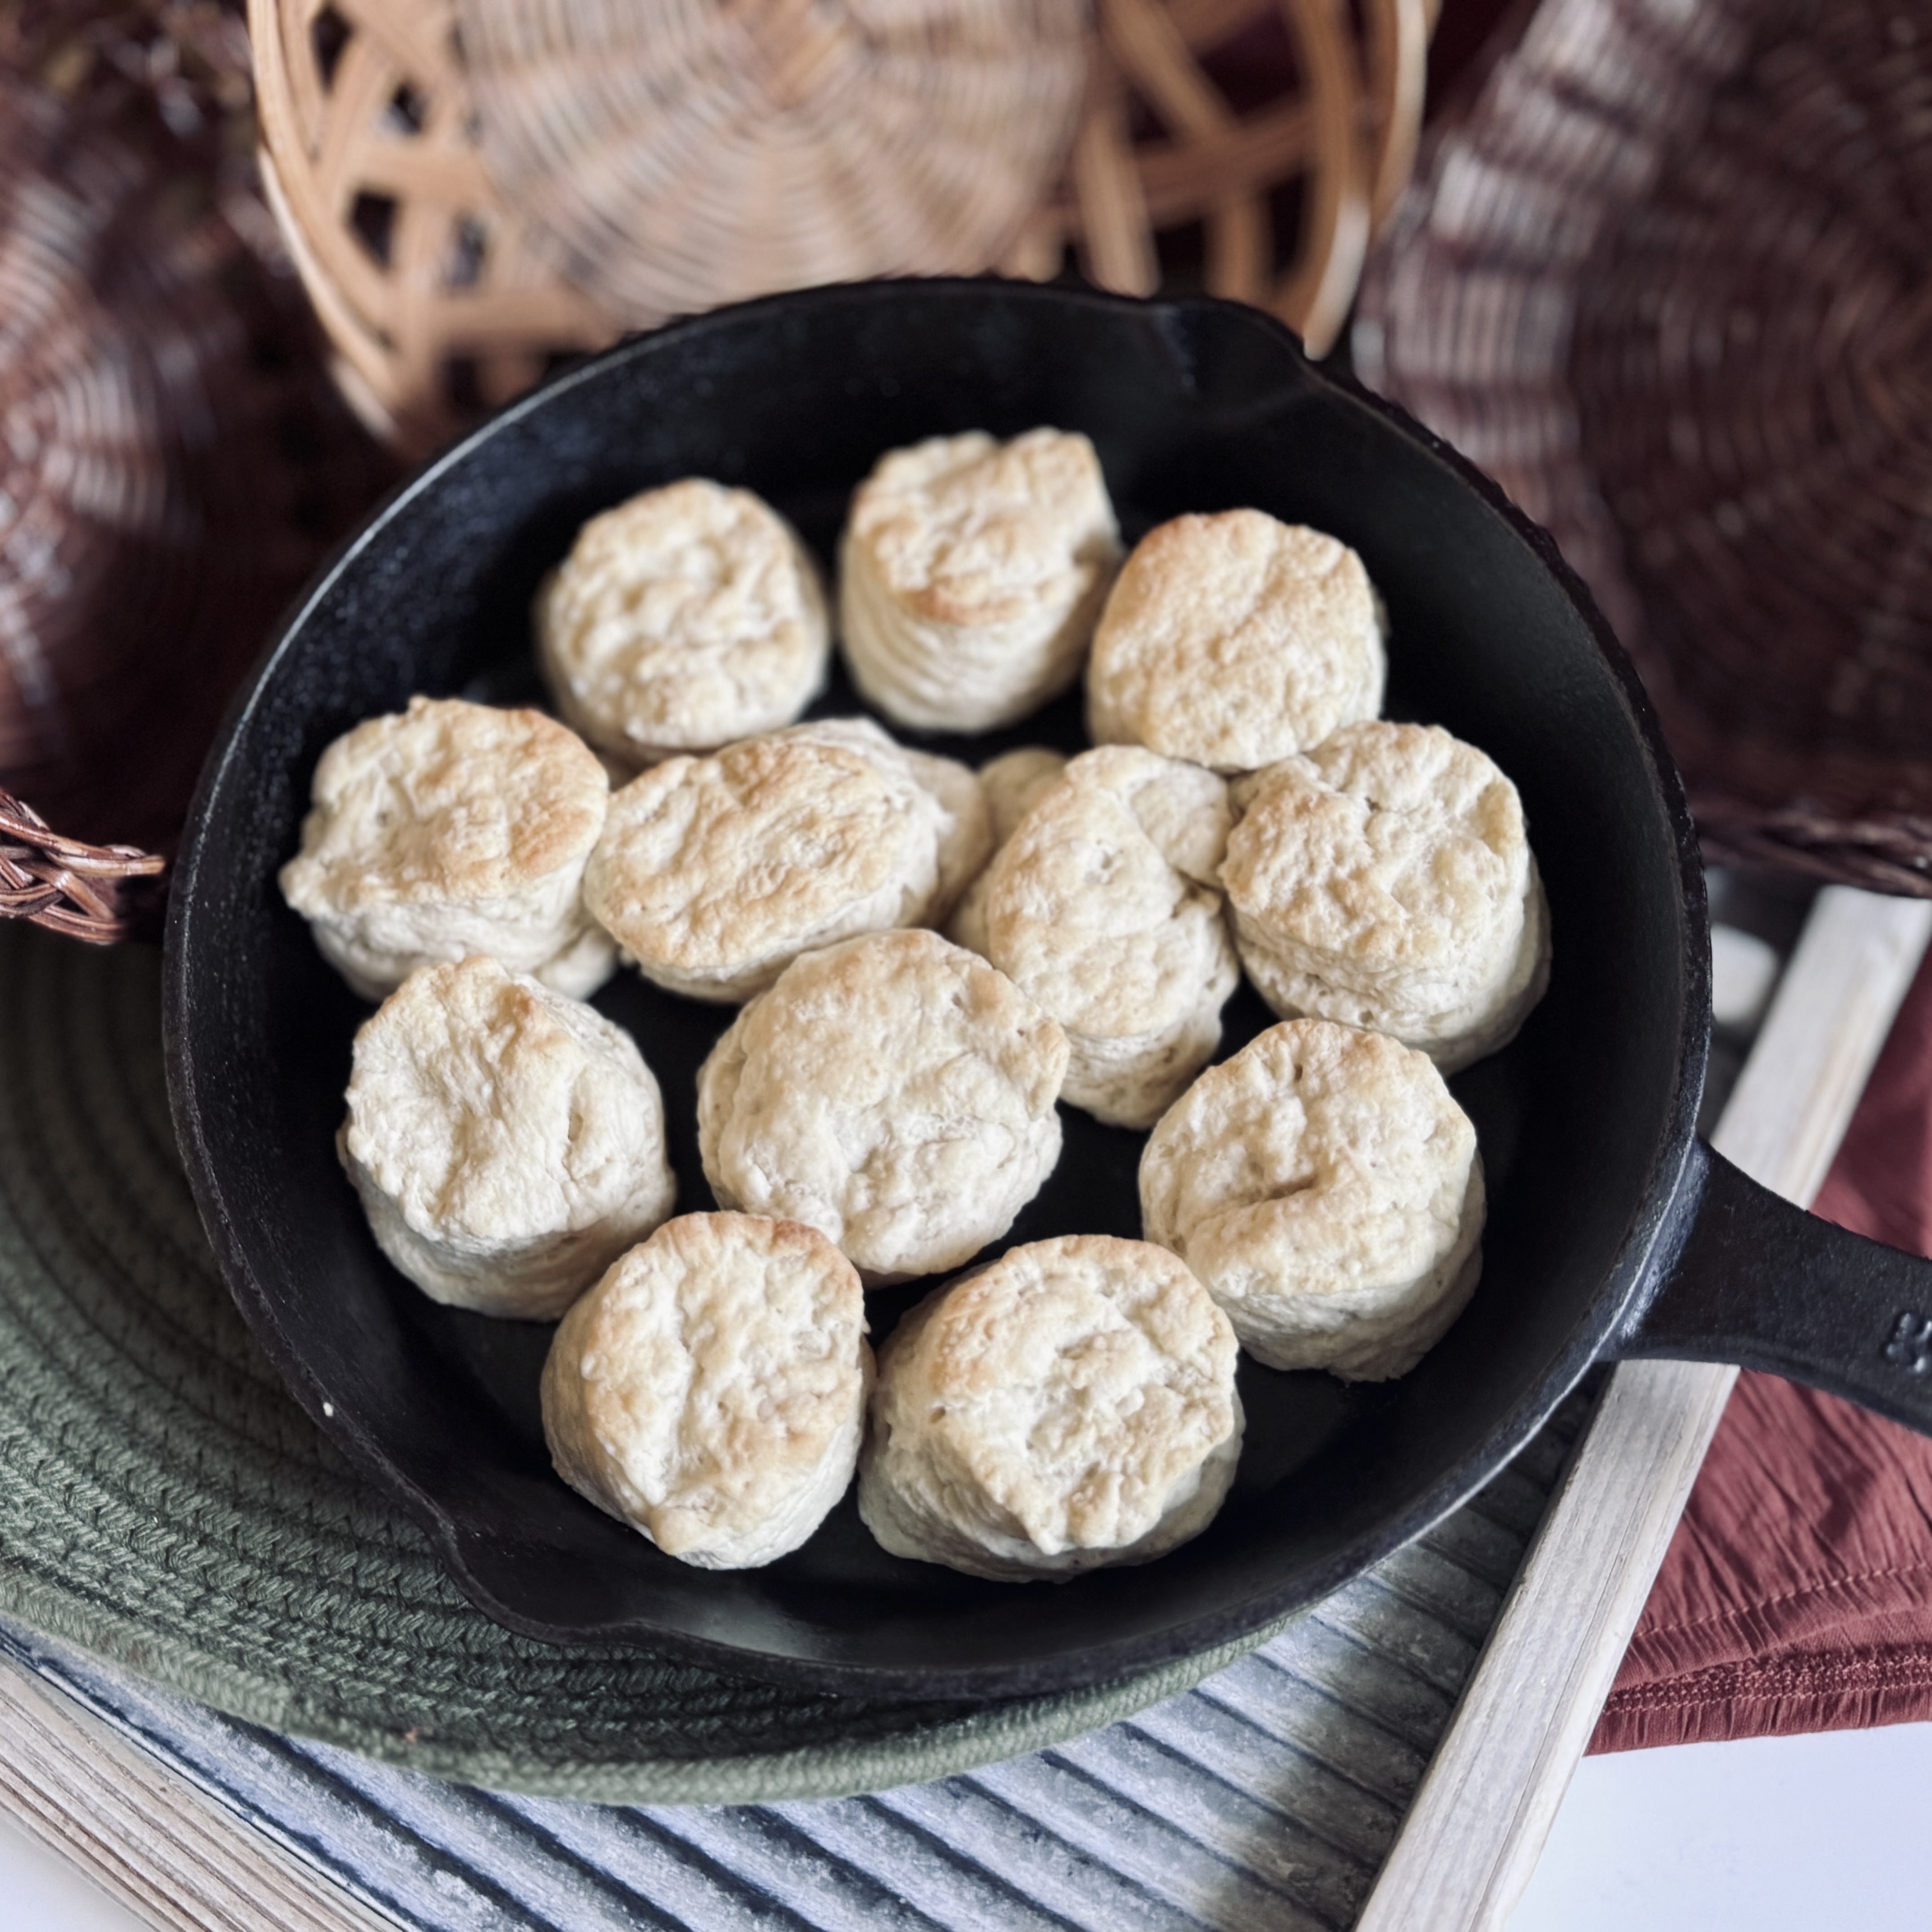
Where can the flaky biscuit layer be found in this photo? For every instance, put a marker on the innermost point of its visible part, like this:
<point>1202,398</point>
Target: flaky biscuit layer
<point>971,574</point>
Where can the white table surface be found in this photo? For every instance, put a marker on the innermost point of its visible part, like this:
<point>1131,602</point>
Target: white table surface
<point>40,1892</point>
<point>1775,1835</point>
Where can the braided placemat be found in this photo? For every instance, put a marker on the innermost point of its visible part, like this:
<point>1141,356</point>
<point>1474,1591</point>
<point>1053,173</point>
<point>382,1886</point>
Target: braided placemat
<point>168,1506</point>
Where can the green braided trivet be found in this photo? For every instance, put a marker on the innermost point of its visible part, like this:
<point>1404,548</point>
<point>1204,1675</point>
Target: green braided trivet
<point>166,1505</point>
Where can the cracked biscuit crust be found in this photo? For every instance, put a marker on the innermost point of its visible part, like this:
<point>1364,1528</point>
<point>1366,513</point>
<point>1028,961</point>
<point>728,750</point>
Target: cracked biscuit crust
<point>1100,907</point>
<point>1326,1187</point>
<point>710,1391</point>
<point>714,874</point>
<point>1071,1406</point>
<point>507,1142</point>
<point>971,572</point>
<point>892,1091</point>
<point>1384,879</point>
<point>450,828</point>
<point>1233,640</point>
<point>965,819</point>
<point>684,619</point>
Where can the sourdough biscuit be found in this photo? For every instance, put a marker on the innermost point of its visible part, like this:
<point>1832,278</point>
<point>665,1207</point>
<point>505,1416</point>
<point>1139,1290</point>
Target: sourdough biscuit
<point>450,828</point>
<point>684,619</point>
<point>1234,640</point>
<point>508,1143</point>
<point>1100,907</point>
<point>1385,880</point>
<point>965,823</point>
<point>1326,1188</point>
<point>710,1391</point>
<point>714,874</point>
<point>1071,1406</point>
<point>894,1092</point>
<point>971,573</point>
<point>1010,784</point>
<point>1013,782</point>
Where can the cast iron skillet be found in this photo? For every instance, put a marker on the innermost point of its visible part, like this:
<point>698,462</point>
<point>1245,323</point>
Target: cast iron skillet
<point>1612,1231</point>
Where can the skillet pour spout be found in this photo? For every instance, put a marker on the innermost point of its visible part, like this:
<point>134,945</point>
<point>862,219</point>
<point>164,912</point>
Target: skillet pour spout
<point>1759,1282</point>
<point>1611,1231</point>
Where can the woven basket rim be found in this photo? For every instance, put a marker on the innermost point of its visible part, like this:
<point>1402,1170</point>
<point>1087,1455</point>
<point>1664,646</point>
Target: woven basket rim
<point>1359,106</point>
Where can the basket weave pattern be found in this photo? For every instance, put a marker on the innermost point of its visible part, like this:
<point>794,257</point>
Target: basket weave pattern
<point>171,465</point>
<point>1244,145</point>
<point>423,275</point>
<point>1664,281</point>
<point>693,153</point>
<point>1261,124</point>
<point>87,892</point>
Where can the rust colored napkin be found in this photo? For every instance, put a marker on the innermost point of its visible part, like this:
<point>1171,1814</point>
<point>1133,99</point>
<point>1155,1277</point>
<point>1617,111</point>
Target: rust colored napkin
<point>1797,1594</point>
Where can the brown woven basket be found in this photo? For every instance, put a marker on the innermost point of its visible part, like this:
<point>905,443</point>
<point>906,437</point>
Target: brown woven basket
<point>172,463</point>
<point>1664,279</point>
<point>1243,145</point>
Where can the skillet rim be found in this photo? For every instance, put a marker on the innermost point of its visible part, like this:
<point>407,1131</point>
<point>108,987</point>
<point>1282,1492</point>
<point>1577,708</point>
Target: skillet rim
<point>1656,1224</point>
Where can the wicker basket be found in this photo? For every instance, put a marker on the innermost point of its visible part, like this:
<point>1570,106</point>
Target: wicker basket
<point>1244,146</point>
<point>1664,280</point>
<point>688,153</point>
<point>1241,144</point>
<point>423,276</point>
<point>173,465</point>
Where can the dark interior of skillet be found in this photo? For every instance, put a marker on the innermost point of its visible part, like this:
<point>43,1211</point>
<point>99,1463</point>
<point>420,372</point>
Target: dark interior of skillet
<point>1192,406</point>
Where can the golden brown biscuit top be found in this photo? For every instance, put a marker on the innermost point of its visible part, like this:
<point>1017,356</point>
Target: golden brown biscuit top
<point>708,1374</point>
<point>688,615</point>
<point>705,863</point>
<point>484,1104</point>
<point>1074,1380</point>
<point>1092,906</point>
<point>1319,1154</point>
<point>963,530</point>
<point>896,1092</point>
<point>448,800</point>
<point>1395,847</point>
<point>1235,640</point>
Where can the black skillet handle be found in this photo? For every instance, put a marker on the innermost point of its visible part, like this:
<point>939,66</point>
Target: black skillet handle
<point>1758,1281</point>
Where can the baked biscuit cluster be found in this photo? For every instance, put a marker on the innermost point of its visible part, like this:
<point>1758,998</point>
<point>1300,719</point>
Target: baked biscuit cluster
<point>929,962</point>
